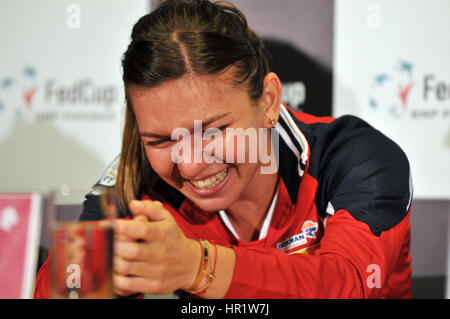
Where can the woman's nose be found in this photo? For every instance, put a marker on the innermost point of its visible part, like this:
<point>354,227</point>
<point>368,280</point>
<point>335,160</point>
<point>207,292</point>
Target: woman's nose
<point>189,158</point>
<point>191,170</point>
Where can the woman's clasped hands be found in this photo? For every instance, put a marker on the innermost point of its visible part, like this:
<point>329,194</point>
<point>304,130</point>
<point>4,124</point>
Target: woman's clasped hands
<point>151,253</point>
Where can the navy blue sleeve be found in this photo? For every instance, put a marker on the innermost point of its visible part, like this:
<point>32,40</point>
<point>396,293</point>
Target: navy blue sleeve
<point>91,209</point>
<point>365,173</point>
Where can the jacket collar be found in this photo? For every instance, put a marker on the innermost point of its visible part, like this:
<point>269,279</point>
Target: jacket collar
<point>293,151</point>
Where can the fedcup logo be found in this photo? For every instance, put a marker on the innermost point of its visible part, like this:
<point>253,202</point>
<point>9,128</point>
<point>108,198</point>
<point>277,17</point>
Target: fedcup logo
<point>232,145</point>
<point>22,85</point>
<point>18,91</point>
<point>391,89</point>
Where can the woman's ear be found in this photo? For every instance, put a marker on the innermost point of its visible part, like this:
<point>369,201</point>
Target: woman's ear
<point>271,99</point>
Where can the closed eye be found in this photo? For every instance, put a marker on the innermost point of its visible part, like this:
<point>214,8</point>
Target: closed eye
<point>214,130</point>
<point>206,132</point>
<point>158,143</point>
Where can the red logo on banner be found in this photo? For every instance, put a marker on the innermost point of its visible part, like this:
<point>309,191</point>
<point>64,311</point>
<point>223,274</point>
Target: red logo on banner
<point>18,247</point>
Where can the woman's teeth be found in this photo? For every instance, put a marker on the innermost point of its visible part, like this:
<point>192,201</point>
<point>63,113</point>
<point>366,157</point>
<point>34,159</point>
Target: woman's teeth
<point>210,182</point>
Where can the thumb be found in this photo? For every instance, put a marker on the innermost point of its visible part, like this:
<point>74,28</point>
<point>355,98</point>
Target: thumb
<point>153,210</point>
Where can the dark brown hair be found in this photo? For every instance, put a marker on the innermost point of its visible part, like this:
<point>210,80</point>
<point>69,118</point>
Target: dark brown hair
<point>183,37</point>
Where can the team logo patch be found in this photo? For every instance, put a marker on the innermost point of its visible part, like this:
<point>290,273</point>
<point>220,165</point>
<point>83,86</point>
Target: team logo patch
<point>110,175</point>
<point>109,179</point>
<point>309,230</point>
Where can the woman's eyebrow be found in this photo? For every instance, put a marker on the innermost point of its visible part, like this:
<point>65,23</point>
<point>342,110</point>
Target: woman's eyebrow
<point>214,118</point>
<point>204,123</point>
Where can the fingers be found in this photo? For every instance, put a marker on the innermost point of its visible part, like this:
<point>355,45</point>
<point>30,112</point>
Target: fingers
<point>119,291</point>
<point>122,292</point>
<point>141,218</point>
<point>121,238</point>
<point>153,210</point>
<point>137,284</point>
<point>131,250</point>
<point>126,267</point>
<point>141,247</point>
<point>118,237</point>
<point>145,214</point>
<point>135,229</point>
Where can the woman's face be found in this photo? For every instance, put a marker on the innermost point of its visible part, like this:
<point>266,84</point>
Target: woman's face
<point>218,103</point>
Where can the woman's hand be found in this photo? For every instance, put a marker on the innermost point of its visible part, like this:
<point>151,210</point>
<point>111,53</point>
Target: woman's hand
<point>151,253</point>
<point>118,238</point>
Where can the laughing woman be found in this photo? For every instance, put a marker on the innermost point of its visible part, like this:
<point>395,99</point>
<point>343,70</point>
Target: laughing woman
<point>332,221</point>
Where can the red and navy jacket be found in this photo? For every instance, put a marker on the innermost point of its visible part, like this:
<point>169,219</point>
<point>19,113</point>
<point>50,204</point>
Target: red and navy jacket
<point>339,227</point>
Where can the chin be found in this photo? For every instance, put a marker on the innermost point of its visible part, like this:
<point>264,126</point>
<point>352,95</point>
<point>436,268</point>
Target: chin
<point>212,204</point>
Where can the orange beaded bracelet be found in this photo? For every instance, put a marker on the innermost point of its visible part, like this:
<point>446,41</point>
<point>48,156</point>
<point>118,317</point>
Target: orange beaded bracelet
<point>203,265</point>
<point>212,274</point>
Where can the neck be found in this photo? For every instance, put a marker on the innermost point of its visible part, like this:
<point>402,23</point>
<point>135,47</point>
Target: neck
<point>248,213</point>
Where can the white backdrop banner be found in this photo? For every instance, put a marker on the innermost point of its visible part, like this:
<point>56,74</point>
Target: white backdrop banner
<point>61,92</point>
<point>392,68</point>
